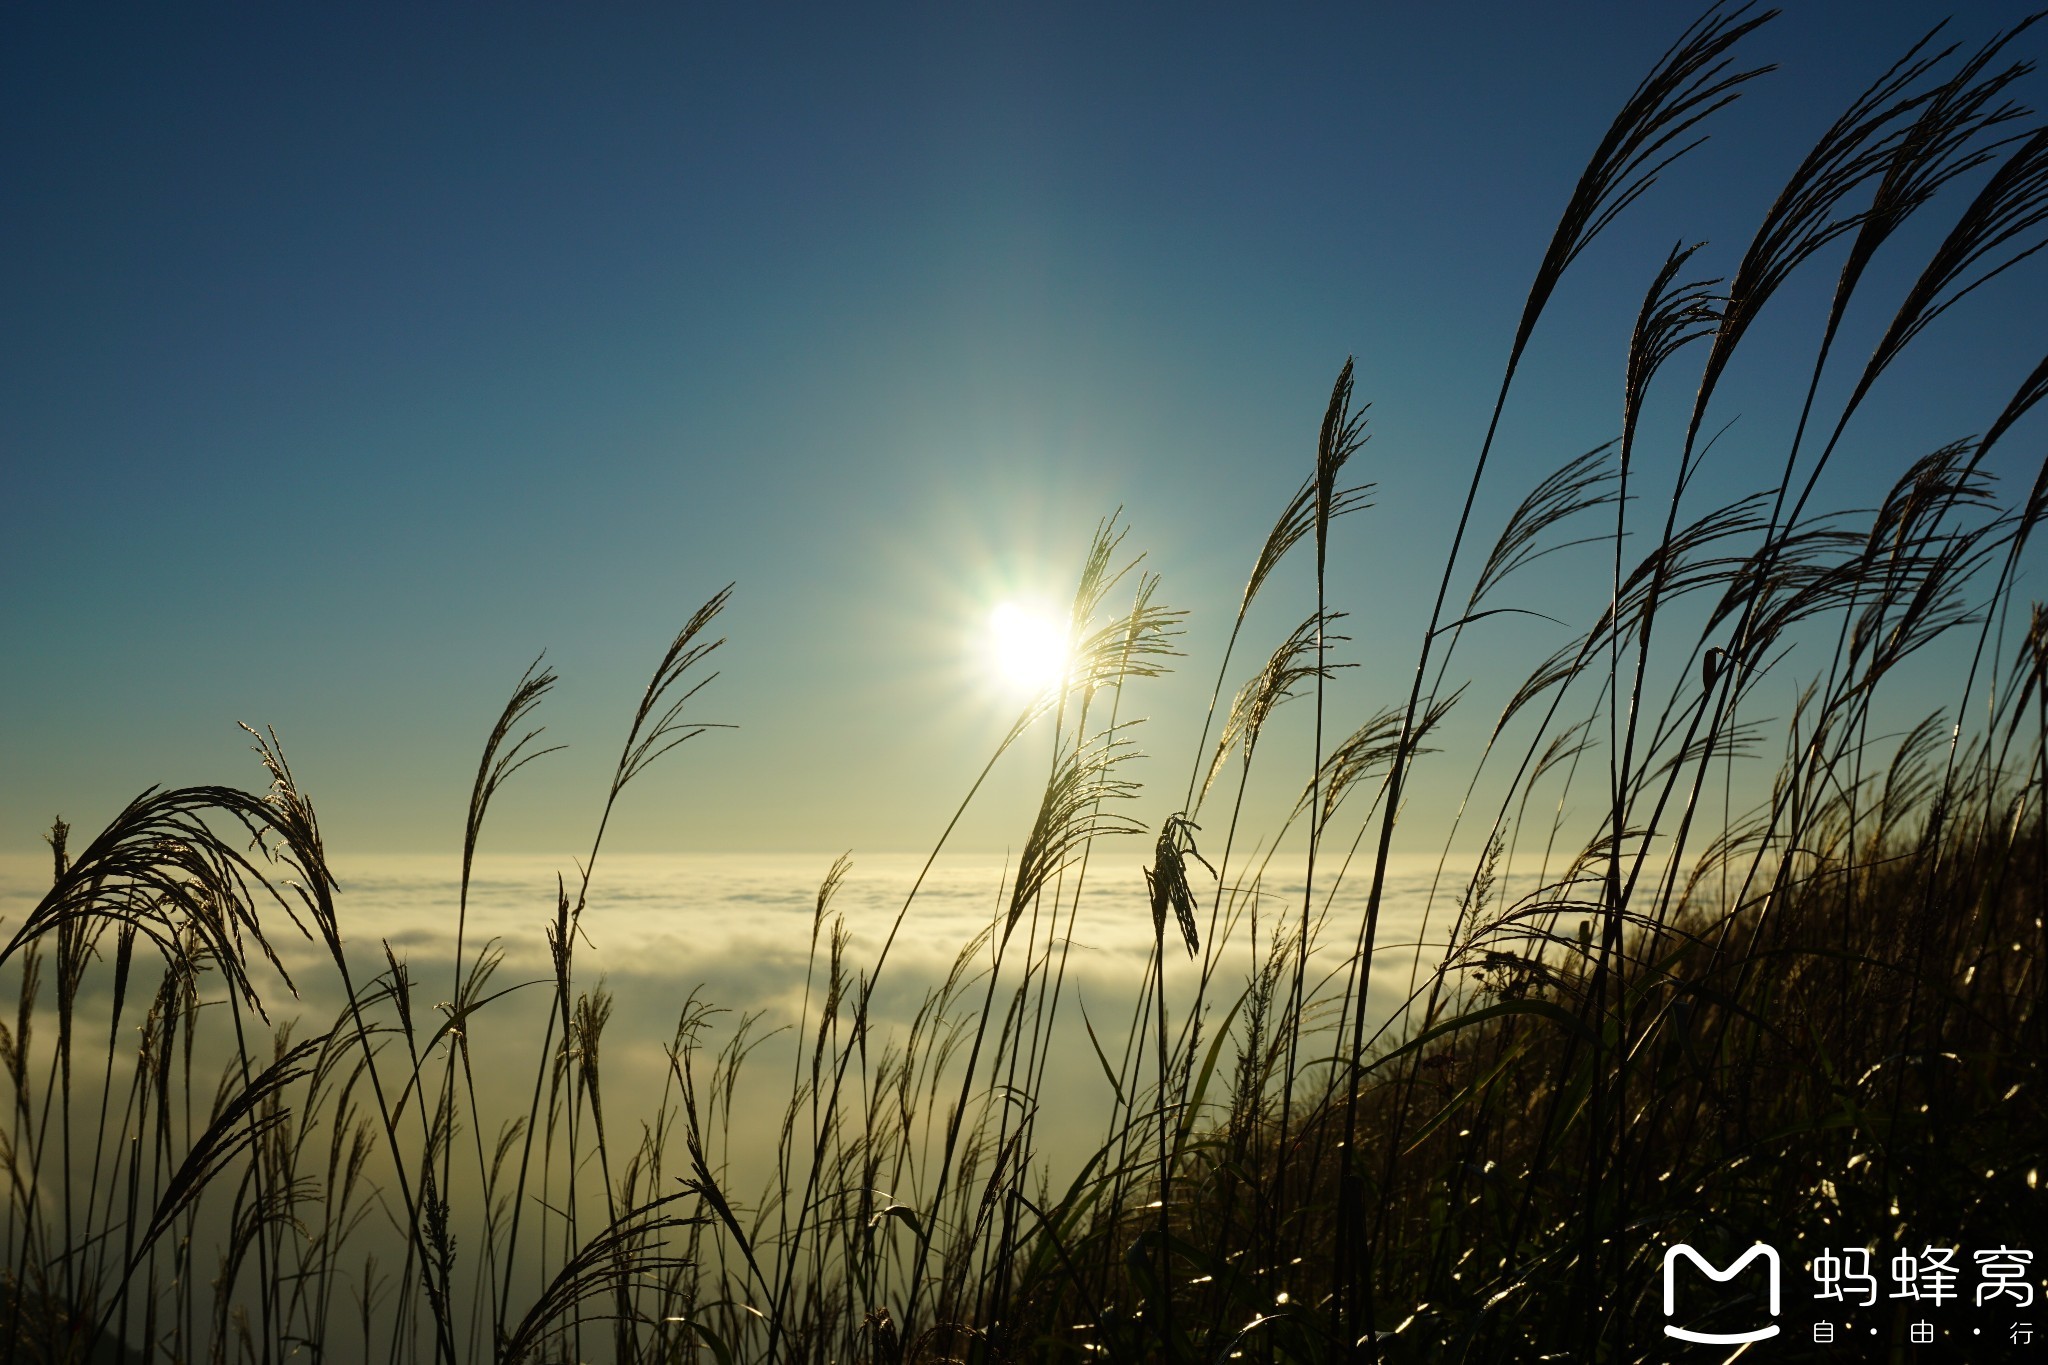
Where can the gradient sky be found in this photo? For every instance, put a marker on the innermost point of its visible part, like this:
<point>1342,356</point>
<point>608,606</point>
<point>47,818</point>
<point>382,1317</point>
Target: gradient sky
<point>354,354</point>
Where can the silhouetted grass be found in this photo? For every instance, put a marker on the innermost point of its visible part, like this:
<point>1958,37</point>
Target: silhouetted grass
<point>1676,999</point>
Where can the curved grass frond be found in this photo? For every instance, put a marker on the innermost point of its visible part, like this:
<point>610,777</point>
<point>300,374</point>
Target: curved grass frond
<point>1342,434</point>
<point>628,1253</point>
<point>1690,82</point>
<point>159,869</point>
<point>499,761</point>
<point>1943,143</point>
<point>1578,485</point>
<point>1291,665</point>
<point>1313,507</point>
<point>1368,749</point>
<point>1070,817</point>
<point>2001,227</point>
<point>1862,146</point>
<point>651,736</point>
<point>1672,317</point>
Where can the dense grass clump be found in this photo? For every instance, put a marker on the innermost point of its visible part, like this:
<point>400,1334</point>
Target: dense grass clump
<point>1670,1000</point>
<point>1857,1053</point>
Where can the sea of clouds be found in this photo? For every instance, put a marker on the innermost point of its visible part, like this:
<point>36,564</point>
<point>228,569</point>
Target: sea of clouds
<point>737,930</point>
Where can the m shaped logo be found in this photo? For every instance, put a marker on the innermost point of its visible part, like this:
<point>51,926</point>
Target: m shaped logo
<point>1682,1251</point>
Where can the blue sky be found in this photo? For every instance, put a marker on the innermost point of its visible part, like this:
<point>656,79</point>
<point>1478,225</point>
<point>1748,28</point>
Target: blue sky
<point>355,354</point>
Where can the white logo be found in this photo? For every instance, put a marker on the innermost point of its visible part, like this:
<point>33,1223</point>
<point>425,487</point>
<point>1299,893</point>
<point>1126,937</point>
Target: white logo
<point>1770,1256</point>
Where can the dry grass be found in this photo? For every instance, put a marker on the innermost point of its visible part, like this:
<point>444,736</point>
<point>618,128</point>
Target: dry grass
<point>1716,1007</point>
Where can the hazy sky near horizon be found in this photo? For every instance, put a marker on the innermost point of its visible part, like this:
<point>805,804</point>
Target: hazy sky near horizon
<point>356,354</point>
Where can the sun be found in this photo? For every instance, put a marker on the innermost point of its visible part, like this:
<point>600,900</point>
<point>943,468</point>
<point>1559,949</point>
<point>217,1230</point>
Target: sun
<point>1027,647</point>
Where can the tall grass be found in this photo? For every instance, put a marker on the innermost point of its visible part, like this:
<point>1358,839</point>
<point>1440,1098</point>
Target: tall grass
<point>1722,1005</point>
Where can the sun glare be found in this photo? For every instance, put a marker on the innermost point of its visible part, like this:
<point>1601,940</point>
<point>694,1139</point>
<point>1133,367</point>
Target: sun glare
<point>1028,647</point>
